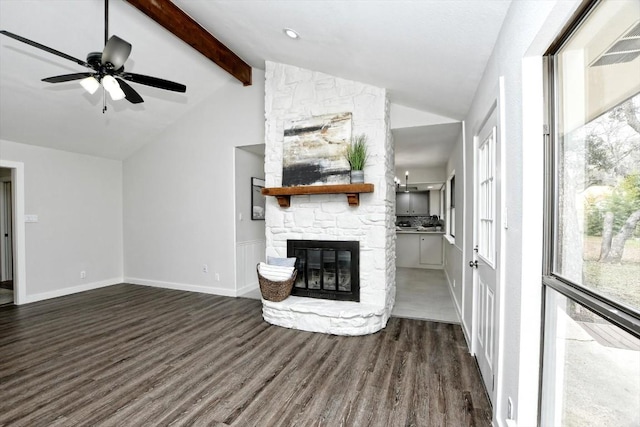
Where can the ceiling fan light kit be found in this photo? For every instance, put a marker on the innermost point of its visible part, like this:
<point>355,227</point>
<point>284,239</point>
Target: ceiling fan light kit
<point>111,85</point>
<point>90,84</point>
<point>107,69</point>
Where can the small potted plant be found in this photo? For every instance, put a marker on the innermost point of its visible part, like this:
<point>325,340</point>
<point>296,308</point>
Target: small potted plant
<point>356,155</point>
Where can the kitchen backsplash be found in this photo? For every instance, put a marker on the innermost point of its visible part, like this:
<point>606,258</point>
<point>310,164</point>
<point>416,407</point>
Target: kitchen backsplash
<point>416,221</point>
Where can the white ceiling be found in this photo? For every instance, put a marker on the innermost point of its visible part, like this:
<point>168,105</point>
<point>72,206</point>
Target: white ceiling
<point>425,146</point>
<point>429,54</point>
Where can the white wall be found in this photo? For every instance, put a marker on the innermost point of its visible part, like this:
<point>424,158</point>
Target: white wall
<point>179,196</point>
<point>422,175</point>
<point>78,201</point>
<point>434,202</point>
<point>250,237</point>
<point>453,260</point>
<point>405,117</point>
<point>247,165</point>
<point>528,29</point>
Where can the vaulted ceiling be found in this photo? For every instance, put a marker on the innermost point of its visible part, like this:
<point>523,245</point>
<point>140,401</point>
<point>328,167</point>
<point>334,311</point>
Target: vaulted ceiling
<point>429,54</point>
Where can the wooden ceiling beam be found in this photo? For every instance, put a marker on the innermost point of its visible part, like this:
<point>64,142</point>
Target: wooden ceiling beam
<point>171,17</point>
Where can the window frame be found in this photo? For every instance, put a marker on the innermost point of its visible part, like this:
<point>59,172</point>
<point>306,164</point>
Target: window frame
<point>620,315</point>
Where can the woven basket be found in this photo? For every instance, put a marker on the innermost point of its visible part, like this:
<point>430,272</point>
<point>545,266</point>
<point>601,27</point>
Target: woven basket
<point>275,291</point>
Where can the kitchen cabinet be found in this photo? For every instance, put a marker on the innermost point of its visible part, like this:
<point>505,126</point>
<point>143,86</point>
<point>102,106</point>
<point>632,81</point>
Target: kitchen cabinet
<point>431,250</point>
<point>403,203</point>
<point>419,250</point>
<point>416,203</point>
<point>407,250</point>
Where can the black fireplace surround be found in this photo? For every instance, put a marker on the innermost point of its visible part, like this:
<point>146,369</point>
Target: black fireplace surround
<point>327,269</point>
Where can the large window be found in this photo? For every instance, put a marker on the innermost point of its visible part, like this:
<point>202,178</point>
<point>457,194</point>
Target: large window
<point>592,273</point>
<point>486,198</point>
<point>451,208</point>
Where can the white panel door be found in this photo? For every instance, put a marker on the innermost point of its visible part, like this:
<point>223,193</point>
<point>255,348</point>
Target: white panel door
<point>486,249</point>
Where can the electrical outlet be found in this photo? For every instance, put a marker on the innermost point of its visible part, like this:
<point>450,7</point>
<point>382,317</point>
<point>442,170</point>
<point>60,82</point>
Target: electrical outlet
<point>509,409</point>
<point>83,274</point>
<point>31,218</point>
<point>205,268</point>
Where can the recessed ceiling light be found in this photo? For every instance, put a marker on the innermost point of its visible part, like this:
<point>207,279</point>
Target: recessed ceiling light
<point>291,33</point>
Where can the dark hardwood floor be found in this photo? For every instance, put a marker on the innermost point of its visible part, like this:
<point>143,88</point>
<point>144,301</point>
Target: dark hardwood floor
<point>130,355</point>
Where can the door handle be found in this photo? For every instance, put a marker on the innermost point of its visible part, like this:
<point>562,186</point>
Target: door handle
<point>473,264</point>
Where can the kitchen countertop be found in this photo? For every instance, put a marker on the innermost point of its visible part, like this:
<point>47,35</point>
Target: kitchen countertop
<point>414,230</point>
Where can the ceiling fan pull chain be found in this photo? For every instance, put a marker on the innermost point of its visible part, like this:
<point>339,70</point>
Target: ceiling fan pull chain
<point>106,21</point>
<point>104,100</point>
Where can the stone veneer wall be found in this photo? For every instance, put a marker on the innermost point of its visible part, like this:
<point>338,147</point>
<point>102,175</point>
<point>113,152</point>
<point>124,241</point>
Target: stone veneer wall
<point>293,93</point>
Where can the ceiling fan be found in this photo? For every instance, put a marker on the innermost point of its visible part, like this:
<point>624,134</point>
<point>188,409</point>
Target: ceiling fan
<point>107,68</point>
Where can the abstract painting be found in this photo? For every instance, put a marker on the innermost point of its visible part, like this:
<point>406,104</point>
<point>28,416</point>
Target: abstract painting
<point>314,150</point>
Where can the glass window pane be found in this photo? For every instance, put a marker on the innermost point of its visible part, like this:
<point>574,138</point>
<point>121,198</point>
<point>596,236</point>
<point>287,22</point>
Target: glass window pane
<point>453,191</point>
<point>301,266</point>
<point>313,268</point>
<point>591,373</point>
<point>344,271</point>
<point>598,152</point>
<point>329,269</point>
<point>486,200</point>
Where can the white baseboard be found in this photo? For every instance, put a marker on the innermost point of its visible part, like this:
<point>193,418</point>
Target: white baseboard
<point>72,290</point>
<point>182,287</point>
<point>458,310</point>
<point>247,288</point>
<point>465,332</point>
<point>453,297</point>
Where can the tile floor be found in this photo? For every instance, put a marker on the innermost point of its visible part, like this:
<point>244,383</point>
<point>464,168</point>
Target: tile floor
<point>423,294</point>
<point>420,294</point>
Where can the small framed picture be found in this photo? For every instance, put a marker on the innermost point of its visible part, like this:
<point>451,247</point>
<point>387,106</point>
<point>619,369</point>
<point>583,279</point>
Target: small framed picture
<point>257,199</point>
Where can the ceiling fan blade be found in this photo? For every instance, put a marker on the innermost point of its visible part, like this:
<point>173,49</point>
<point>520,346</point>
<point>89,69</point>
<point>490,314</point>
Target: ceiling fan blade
<point>116,51</point>
<point>154,81</point>
<point>129,93</point>
<point>45,48</point>
<point>67,77</point>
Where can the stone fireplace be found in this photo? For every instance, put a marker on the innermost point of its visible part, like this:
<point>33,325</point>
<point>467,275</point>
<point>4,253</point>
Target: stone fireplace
<point>292,93</point>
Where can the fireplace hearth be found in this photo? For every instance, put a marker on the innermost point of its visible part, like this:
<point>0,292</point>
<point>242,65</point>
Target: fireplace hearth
<point>327,269</point>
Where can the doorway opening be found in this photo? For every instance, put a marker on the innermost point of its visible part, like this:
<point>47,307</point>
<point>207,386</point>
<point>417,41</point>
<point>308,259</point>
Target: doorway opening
<point>12,241</point>
<point>6,237</point>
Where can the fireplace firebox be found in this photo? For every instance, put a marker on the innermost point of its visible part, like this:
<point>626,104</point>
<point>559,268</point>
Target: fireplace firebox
<point>327,269</point>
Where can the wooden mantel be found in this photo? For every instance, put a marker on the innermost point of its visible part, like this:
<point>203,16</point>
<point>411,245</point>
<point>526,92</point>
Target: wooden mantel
<point>283,194</point>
